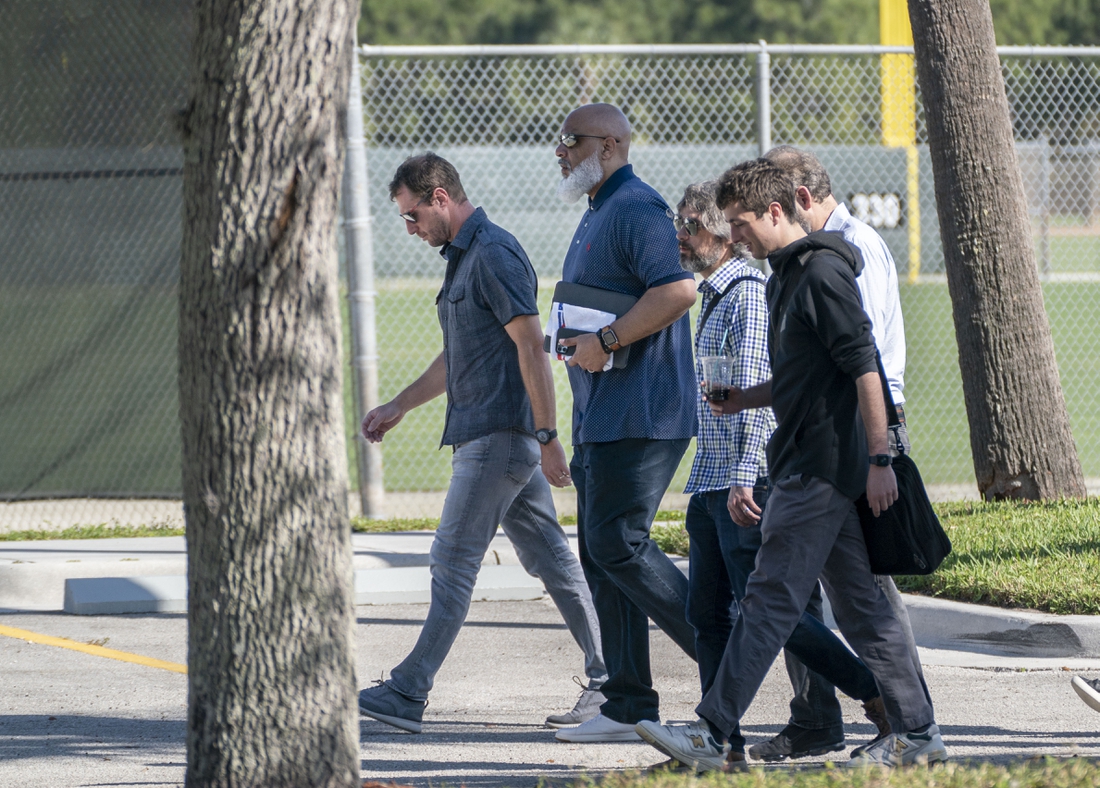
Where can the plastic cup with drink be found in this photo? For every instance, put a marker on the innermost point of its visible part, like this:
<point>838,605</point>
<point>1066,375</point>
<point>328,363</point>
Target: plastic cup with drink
<point>717,374</point>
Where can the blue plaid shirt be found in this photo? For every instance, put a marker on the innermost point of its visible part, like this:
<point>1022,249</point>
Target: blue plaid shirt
<point>730,449</point>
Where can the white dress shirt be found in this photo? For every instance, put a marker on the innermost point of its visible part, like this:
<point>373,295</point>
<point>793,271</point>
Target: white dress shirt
<point>878,286</point>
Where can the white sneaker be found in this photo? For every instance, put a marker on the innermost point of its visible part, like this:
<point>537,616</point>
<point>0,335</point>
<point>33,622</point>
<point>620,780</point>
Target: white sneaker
<point>1089,690</point>
<point>904,749</point>
<point>599,728</point>
<point>691,744</point>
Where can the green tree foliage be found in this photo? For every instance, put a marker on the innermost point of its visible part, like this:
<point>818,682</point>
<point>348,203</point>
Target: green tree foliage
<point>692,21</point>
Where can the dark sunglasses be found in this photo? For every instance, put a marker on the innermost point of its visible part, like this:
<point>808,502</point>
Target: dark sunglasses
<point>690,225</point>
<point>410,217</point>
<point>569,140</point>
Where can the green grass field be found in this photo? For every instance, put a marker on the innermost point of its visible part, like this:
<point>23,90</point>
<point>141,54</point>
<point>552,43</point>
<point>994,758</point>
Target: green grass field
<point>409,338</point>
<point>88,395</point>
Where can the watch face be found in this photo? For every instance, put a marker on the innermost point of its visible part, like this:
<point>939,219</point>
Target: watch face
<point>542,436</point>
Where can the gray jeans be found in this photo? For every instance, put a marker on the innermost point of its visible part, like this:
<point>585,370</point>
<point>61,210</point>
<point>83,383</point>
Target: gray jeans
<point>813,692</point>
<point>497,479</point>
<point>812,530</point>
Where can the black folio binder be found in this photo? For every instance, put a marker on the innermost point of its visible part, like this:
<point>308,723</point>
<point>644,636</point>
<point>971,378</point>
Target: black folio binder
<point>611,301</point>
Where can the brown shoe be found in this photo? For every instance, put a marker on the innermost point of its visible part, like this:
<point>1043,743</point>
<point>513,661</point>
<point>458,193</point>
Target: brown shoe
<point>735,762</point>
<point>876,713</point>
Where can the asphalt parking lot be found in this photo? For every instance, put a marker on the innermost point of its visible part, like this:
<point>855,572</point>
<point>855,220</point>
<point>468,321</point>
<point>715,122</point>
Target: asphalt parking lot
<point>73,719</point>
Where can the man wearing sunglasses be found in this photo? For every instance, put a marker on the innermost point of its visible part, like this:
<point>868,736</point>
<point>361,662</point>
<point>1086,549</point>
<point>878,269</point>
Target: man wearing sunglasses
<point>501,424</point>
<point>631,425</point>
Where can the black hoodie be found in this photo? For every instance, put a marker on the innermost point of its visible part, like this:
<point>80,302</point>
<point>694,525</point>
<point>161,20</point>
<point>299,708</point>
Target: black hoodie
<point>820,341</point>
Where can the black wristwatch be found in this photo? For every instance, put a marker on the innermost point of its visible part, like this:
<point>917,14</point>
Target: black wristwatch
<point>881,460</point>
<point>609,340</point>
<point>545,436</point>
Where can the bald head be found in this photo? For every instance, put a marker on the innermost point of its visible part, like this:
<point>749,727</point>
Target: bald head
<point>605,120</point>
<point>599,146</point>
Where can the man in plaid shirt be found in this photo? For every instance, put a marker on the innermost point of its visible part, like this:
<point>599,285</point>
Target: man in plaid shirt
<point>729,469</point>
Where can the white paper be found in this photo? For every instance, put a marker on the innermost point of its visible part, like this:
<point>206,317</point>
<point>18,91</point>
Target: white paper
<point>578,318</point>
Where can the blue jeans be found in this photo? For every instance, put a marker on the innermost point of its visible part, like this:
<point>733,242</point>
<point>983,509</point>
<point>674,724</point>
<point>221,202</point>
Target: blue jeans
<point>619,488</point>
<point>723,555</point>
<point>496,479</point>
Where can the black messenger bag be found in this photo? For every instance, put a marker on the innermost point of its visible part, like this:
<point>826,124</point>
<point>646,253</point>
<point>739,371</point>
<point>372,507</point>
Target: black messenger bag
<point>906,539</point>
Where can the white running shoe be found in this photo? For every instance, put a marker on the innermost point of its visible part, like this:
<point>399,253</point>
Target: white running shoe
<point>692,744</point>
<point>597,729</point>
<point>904,749</point>
<point>1089,690</point>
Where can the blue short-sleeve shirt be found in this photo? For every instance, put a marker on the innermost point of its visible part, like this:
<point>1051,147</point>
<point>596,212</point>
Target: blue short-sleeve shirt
<point>489,281</point>
<point>626,243</point>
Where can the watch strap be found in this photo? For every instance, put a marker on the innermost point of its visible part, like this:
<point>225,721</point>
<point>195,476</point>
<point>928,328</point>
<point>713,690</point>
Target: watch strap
<point>613,345</point>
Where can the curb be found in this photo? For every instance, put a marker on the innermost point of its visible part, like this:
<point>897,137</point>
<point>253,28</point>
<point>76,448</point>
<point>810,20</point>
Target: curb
<point>101,596</point>
<point>104,577</point>
<point>961,626</point>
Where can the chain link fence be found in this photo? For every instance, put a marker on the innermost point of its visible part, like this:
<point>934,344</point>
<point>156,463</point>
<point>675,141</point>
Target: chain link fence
<point>90,168</point>
<point>495,111</point>
<point>90,206</point>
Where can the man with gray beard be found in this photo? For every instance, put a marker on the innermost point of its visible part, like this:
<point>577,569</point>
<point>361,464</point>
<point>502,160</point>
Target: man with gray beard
<point>631,425</point>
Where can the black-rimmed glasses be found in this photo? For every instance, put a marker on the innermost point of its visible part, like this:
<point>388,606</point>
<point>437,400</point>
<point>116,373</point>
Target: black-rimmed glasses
<point>569,140</point>
<point>410,217</point>
<point>691,226</point>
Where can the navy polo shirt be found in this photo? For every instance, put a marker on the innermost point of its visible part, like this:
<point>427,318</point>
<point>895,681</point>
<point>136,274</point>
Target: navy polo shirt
<point>489,281</point>
<point>626,243</point>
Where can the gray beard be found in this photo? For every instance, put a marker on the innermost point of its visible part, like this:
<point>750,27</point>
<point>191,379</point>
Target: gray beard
<point>581,180</point>
<point>697,263</point>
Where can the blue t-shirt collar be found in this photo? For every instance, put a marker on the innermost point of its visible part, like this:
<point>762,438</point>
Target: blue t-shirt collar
<point>617,179</point>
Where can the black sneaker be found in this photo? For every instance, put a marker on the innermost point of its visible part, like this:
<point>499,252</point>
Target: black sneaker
<point>795,741</point>
<point>391,707</point>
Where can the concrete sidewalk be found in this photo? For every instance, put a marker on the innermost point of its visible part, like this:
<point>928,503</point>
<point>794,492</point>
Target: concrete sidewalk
<point>147,575</point>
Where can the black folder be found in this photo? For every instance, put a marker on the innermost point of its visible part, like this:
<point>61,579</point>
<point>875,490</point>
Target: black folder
<point>611,301</point>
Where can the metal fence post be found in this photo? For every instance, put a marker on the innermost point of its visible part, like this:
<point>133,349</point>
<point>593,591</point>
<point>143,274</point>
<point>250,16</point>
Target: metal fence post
<point>361,293</point>
<point>764,98</point>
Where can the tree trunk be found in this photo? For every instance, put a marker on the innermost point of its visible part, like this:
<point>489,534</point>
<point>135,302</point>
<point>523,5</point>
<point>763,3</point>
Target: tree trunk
<point>271,685</point>
<point>1019,429</point>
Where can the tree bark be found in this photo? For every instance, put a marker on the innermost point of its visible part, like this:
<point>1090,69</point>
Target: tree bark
<point>1019,429</point>
<point>271,686</point>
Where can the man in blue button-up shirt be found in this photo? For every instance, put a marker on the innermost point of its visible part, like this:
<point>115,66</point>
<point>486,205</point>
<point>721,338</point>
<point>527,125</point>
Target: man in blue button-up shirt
<point>631,425</point>
<point>500,421</point>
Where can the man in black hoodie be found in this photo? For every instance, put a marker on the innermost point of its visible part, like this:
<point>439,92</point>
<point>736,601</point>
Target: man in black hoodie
<point>828,449</point>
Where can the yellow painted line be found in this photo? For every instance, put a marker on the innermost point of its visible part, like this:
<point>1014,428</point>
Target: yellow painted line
<point>95,651</point>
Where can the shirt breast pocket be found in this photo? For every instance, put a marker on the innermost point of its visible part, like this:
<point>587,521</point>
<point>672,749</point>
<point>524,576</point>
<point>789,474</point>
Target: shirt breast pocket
<point>457,305</point>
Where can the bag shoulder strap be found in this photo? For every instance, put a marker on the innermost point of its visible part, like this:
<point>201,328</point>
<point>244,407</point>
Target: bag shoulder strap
<point>714,301</point>
<point>892,419</point>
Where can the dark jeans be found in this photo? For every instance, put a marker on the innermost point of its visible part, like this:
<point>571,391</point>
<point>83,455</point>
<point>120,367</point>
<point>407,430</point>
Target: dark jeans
<point>723,555</point>
<point>619,488</point>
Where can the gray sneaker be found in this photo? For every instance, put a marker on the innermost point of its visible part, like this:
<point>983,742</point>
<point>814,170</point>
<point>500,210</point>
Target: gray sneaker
<point>904,749</point>
<point>391,707</point>
<point>588,706</point>
<point>1088,690</point>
